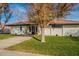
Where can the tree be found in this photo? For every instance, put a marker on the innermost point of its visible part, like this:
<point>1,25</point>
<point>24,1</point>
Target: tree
<point>63,9</point>
<point>21,14</point>
<point>41,12</point>
<point>4,9</point>
<point>7,12</point>
<point>40,16</point>
<point>0,12</point>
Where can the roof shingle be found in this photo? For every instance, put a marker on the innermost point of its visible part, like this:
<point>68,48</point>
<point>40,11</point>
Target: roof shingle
<point>63,22</point>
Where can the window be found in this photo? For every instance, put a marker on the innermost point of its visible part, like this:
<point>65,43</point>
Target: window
<point>57,26</point>
<point>20,28</point>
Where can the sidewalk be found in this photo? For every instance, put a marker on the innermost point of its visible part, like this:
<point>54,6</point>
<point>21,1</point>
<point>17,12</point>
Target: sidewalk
<point>16,53</point>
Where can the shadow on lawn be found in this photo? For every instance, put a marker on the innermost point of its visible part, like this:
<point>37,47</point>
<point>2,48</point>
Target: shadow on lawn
<point>36,38</point>
<point>74,38</point>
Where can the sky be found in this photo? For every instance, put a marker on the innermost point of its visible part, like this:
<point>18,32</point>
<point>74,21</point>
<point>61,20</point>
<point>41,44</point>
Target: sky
<point>20,12</point>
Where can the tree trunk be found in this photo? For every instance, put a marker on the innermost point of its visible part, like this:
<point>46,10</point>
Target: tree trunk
<point>0,19</point>
<point>42,35</point>
<point>50,31</point>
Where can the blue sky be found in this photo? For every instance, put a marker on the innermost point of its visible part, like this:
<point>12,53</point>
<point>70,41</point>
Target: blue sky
<point>19,12</point>
<point>74,15</point>
<point>21,9</point>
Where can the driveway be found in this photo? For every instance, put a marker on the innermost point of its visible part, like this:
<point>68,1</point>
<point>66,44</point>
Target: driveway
<point>12,41</point>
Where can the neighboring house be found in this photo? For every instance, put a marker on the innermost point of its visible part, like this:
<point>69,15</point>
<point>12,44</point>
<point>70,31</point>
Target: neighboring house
<point>55,27</point>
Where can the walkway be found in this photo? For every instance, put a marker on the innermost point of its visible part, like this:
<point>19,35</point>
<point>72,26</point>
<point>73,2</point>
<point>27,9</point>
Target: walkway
<point>12,41</point>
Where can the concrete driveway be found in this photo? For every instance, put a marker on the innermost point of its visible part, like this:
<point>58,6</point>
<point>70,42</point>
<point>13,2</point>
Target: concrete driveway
<point>12,41</point>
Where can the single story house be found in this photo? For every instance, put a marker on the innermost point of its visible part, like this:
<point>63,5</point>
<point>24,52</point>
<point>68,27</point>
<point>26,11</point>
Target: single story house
<point>22,28</point>
<point>55,27</point>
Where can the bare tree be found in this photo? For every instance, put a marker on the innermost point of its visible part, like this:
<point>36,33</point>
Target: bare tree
<point>4,9</point>
<point>7,12</point>
<point>63,9</point>
<point>40,14</point>
<point>21,15</point>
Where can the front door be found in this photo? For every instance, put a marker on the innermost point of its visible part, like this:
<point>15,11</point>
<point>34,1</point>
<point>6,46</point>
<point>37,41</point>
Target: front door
<point>33,30</point>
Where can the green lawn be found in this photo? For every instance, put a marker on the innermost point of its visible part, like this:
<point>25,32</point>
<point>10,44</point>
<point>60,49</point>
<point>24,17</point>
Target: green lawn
<point>5,36</point>
<point>54,45</point>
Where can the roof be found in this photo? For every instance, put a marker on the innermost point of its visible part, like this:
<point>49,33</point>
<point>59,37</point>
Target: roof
<point>63,22</point>
<point>20,23</point>
<point>50,22</point>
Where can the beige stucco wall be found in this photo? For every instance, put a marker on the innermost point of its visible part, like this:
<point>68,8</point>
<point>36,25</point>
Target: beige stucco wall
<point>16,29</point>
<point>52,31</point>
<point>65,31</point>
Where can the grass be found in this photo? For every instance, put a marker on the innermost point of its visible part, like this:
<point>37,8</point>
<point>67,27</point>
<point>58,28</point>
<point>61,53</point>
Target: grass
<point>5,36</point>
<point>54,45</point>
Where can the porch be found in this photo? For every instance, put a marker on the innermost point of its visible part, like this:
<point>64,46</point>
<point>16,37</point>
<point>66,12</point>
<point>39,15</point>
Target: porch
<point>23,28</point>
